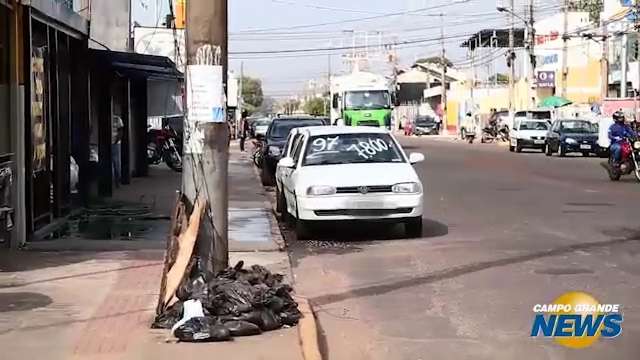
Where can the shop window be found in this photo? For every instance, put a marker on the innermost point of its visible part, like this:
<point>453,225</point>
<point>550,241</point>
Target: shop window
<point>5,129</point>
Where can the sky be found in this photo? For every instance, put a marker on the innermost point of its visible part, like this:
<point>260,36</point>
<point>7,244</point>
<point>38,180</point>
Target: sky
<point>278,26</point>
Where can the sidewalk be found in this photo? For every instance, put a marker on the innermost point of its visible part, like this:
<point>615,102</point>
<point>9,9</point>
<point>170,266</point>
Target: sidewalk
<point>82,300</point>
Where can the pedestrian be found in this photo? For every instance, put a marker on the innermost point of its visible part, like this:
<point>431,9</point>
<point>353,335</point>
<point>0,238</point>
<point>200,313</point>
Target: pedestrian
<point>117,126</point>
<point>244,129</point>
<point>406,125</point>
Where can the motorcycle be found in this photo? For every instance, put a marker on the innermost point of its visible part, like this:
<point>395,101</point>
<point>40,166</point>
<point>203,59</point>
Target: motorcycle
<point>630,160</point>
<point>492,133</point>
<point>257,153</point>
<point>164,145</point>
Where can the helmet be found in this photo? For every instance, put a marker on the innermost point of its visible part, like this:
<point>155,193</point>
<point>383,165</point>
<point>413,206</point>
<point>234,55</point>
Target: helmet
<point>618,116</point>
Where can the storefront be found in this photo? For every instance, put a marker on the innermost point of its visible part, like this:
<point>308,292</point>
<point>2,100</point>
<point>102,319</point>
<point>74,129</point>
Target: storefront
<point>54,91</point>
<point>6,156</point>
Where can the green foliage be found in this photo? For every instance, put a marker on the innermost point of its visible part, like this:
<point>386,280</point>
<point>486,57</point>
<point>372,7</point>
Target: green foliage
<point>252,95</point>
<point>434,60</point>
<point>502,78</point>
<point>593,7</point>
<point>316,106</point>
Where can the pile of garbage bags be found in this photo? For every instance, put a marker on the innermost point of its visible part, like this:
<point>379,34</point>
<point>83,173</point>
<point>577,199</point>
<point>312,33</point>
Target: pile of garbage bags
<point>234,302</point>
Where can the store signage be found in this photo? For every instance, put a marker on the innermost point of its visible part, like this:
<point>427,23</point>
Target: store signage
<point>541,39</point>
<point>546,79</point>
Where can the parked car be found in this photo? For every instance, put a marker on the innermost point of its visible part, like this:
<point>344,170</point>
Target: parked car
<point>425,125</point>
<point>259,127</point>
<point>572,135</point>
<point>528,134</point>
<point>274,142</point>
<point>344,173</point>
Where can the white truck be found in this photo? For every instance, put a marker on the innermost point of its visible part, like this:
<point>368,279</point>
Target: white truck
<point>361,99</point>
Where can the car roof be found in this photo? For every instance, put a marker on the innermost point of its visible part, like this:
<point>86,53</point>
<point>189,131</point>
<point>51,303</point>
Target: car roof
<point>337,130</point>
<point>296,118</point>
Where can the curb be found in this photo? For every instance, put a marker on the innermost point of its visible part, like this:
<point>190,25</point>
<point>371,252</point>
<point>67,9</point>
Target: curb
<point>307,326</point>
<point>308,331</point>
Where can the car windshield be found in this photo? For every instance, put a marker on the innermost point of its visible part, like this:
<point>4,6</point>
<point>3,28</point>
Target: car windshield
<point>534,125</point>
<point>540,115</point>
<point>425,120</point>
<point>263,122</point>
<point>351,149</point>
<point>358,100</point>
<point>573,126</point>
<point>281,129</point>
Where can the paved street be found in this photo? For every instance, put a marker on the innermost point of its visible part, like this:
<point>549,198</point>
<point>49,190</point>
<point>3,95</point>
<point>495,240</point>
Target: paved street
<point>503,231</point>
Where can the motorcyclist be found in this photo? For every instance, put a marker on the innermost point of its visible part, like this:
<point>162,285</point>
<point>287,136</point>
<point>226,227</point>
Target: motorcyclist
<point>617,133</point>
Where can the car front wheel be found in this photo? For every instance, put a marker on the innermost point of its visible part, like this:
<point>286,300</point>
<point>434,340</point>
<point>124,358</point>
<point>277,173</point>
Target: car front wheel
<point>413,227</point>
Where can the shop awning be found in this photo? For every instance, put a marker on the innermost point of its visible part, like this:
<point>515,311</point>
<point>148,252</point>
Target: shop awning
<point>136,65</point>
<point>497,38</point>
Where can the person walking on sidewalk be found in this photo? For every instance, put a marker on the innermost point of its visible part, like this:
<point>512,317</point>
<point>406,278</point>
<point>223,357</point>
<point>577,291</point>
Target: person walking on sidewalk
<point>244,129</point>
<point>117,127</point>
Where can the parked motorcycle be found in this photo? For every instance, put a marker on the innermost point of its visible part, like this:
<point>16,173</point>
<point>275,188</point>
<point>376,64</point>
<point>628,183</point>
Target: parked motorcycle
<point>165,145</point>
<point>493,133</point>
<point>257,153</point>
<point>629,163</point>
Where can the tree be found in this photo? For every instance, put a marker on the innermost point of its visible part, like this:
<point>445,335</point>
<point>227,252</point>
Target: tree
<point>593,7</point>
<point>316,107</point>
<point>252,95</point>
<point>502,78</point>
<point>434,60</point>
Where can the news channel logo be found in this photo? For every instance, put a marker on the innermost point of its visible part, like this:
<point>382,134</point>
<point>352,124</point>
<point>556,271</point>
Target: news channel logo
<point>577,320</point>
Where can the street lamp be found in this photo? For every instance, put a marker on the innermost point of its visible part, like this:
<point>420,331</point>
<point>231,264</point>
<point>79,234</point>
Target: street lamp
<point>509,11</point>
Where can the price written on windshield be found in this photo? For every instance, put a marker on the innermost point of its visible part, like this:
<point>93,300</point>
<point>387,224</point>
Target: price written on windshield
<point>365,148</point>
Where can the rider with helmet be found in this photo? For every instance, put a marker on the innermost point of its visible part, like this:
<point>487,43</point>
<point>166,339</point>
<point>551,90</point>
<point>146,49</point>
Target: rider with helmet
<point>617,133</point>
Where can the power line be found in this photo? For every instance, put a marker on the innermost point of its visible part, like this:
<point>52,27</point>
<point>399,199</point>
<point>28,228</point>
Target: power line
<point>353,20</point>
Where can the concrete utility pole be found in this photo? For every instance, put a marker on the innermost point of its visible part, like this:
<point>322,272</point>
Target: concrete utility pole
<point>205,175</point>
<point>532,56</point>
<point>636,92</point>
<point>604,62</point>
<point>511,56</point>
<point>443,79</point>
<point>624,68</point>
<point>565,49</point>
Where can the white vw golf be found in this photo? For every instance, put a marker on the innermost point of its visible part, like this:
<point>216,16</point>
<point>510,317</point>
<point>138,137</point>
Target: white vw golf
<point>333,173</point>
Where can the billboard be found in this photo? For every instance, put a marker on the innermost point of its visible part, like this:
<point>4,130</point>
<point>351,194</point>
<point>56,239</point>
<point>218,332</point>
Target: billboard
<point>546,79</point>
<point>161,42</point>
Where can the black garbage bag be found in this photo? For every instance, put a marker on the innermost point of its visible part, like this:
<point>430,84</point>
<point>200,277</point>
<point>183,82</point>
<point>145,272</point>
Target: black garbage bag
<point>232,298</point>
<point>195,289</point>
<point>202,329</point>
<point>242,328</point>
<point>169,317</point>
<point>269,321</point>
<point>290,317</point>
<point>274,303</point>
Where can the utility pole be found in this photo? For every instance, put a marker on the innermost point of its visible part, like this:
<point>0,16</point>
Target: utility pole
<point>327,107</point>
<point>205,171</point>
<point>511,56</point>
<point>604,62</point>
<point>443,79</point>
<point>565,49</point>
<point>636,91</point>
<point>240,100</point>
<point>532,56</point>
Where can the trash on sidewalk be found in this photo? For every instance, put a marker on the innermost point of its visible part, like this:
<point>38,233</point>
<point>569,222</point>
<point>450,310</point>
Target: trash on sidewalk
<point>201,306</point>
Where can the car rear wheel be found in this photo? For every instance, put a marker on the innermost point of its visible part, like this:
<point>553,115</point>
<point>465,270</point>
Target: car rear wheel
<point>413,227</point>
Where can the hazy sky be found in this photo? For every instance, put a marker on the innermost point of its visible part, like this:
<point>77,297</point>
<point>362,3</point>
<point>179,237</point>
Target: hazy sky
<point>277,25</point>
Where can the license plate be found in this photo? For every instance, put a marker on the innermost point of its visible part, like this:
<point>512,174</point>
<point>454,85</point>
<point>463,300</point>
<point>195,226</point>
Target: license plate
<point>366,204</point>
<point>538,142</point>
<point>585,147</point>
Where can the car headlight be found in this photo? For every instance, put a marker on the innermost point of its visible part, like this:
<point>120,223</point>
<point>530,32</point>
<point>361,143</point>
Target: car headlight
<point>407,188</point>
<point>274,151</point>
<point>570,141</point>
<point>636,145</point>
<point>320,190</point>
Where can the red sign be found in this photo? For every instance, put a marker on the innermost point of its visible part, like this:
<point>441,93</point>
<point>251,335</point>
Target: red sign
<point>541,39</point>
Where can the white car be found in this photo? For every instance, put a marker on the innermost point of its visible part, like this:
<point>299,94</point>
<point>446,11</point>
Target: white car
<point>528,134</point>
<point>331,173</point>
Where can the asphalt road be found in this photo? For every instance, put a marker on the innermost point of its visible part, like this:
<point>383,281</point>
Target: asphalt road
<point>503,232</point>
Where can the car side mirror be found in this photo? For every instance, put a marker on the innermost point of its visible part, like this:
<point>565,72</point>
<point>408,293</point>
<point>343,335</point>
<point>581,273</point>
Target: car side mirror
<point>415,158</point>
<point>287,163</point>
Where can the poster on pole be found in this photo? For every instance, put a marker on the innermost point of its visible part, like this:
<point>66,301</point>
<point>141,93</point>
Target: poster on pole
<point>205,103</point>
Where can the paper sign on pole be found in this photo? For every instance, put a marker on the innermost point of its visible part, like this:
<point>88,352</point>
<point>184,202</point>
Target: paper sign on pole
<point>205,103</point>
